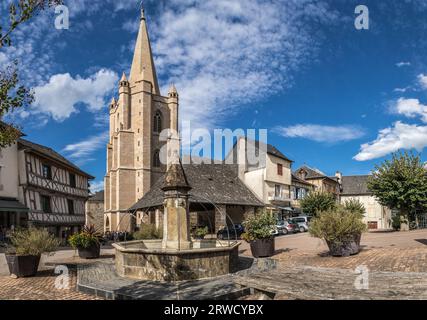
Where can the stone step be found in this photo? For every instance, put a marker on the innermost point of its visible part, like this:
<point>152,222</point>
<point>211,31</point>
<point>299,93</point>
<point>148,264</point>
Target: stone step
<point>323,283</point>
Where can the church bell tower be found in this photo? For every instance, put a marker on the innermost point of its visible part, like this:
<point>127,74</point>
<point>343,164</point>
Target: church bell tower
<point>137,118</point>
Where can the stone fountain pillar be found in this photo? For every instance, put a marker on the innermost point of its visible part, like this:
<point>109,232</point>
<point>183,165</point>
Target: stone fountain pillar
<point>176,223</point>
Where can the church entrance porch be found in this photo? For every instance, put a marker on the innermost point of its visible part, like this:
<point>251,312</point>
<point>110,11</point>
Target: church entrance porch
<point>214,217</point>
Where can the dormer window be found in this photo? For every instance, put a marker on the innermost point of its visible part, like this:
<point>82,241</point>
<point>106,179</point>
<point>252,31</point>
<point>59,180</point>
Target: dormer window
<point>303,174</point>
<point>158,122</point>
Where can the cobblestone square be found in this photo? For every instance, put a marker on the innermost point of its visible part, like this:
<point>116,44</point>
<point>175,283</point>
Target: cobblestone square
<point>401,255</point>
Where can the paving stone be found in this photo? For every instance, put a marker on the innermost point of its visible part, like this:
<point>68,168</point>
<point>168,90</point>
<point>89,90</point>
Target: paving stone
<point>301,270</point>
<point>101,279</point>
<point>41,287</point>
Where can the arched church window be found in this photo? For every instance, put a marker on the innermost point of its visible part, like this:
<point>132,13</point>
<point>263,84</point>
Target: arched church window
<point>156,159</point>
<point>158,122</point>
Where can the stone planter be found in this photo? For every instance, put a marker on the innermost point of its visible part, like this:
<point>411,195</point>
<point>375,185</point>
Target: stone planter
<point>93,252</point>
<point>345,249</point>
<point>23,266</point>
<point>262,248</point>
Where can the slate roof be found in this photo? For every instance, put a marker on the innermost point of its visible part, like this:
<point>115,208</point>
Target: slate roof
<point>276,152</point>
<point>296,179</point>
<point>52,154</point>
<point>314,174</point>
<point>211,183</point>
<point>272,150</point>
<point>98,196</point>
<point>355,185</point>
<point>311,173</point>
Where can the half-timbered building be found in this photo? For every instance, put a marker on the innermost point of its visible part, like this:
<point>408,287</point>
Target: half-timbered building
<point>52,188</point>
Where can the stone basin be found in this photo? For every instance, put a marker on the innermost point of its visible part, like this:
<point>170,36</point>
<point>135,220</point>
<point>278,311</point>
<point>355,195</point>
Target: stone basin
<point>148,260</point>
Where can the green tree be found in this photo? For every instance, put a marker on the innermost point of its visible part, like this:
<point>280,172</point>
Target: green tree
<point>318,201</point>
<point>400,183</point>
<point>12,94</point>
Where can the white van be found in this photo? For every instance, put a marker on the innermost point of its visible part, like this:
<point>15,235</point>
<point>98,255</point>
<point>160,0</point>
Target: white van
<point>303,222</point>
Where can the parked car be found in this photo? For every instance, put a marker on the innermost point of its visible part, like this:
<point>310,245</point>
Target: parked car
<point>303,223</point>
<point>285,227</point>
<point>231,232</point>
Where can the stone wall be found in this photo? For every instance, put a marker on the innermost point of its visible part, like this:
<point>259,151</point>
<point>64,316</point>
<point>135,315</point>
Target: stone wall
<point>95,215</point>
<point>196,264</point>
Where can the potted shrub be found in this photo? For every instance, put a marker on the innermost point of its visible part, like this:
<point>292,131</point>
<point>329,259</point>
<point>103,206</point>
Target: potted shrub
<point>341,228</point>
<point>87,242</point>
<point>28,245</point>
<point>201,233</point>
<point>258,232</point>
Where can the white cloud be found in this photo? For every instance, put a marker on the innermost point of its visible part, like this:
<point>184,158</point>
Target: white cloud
<point>224,54</point>
<point>319,133</point>
<point>36,42</point>
<point>58,98</point>
<point>131,25</point>
<point>403,64</point>
<point>82,152</point>
<point>422,80</point>
<point>96,186</point>
<point>3,59</point>
<point>401,90</point>
<point>221,54</point>
<point>399,136</point>
<point>410,108</point>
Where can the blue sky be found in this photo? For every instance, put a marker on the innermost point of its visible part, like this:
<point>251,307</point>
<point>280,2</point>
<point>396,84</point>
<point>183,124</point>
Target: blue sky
<point>333,97</point>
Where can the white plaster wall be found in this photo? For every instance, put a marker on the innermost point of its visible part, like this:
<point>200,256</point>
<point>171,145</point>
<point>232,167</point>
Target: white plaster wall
<point>254,180</point>
<point>9,172</point>
<point>271,170</point>
<point>374,211</point>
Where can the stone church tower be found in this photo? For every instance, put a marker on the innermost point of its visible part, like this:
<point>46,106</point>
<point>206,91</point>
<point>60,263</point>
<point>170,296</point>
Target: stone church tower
<point>136,120</point>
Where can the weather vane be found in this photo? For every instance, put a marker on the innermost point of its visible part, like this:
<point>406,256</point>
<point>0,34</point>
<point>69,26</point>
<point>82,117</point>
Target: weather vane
<point>142,10</point>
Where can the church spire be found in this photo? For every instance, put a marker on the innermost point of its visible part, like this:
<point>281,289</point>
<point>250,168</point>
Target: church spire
<point>143,63</point>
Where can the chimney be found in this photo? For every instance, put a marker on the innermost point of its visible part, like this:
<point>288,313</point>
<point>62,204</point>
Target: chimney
<point>339,176</point>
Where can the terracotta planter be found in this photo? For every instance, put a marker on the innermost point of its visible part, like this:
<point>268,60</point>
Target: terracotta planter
<point>93,252</point>
<point>262,248</point>
<point>345,249</point>
<point>23,266</point>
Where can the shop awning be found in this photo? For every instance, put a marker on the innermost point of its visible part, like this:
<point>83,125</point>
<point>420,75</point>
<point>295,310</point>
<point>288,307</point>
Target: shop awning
<point>11,205</point>
<point>286,208</point>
